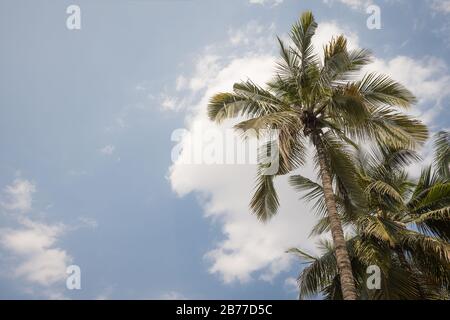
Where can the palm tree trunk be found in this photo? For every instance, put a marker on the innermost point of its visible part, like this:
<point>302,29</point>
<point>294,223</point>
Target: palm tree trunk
<point>342,257</point>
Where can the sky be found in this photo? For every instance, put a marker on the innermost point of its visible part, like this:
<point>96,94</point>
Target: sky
<point>94,172</point>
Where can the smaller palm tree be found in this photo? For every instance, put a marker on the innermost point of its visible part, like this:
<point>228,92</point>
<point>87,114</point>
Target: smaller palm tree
<point>405,229</point>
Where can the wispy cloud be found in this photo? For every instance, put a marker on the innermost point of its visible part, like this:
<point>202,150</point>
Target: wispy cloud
<point>291,284</point>
<point>34,256</point>
<point>353,4</point>
<point>107,150</point>
<point>18,196</point>
<point>40,261</point>
<point>266,2</point>
<point>172,295</point>
<point>88,222</point>
<point>441,6</point>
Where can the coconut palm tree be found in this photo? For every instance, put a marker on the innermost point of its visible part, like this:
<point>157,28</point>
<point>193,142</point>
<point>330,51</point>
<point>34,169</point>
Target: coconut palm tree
<point>320,101</point>
<point>405,229</point>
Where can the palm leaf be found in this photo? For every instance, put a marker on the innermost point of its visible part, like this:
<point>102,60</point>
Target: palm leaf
<point>442,153</point>
<point>264,203</point>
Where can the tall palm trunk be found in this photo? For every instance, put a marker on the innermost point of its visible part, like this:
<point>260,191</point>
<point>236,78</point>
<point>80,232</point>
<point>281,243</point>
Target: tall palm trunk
<point>342,257</point>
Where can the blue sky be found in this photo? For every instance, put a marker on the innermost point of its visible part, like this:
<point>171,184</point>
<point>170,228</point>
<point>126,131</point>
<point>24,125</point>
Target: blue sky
<point>87,116</point>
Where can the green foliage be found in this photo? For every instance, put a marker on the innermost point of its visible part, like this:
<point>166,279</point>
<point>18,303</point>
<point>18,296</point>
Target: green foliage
<point>404,230</point>
<point>442,154</point>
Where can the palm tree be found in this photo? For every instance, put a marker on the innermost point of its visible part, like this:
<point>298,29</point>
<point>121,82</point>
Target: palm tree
<point>405,229</point>
<point>316,101</point>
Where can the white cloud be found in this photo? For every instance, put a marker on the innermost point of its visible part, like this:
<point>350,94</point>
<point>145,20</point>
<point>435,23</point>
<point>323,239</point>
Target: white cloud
<point>269,2</point>
<point>181,83</point>
<point>254,34</point>
<point>441,6</point>
<point>31,253</point>
<point>205,70</point>
<point>107,150</point>
<point>254,37</point>
<point>169,103</point>
<point>88,222</point>
<point>172,295</point>
<point>41,262</point>
<point>18,196</point>
<point>443,33</point>
<point>353,4</point>
<point>35,237</point>
<point>291,284</point>
<point>250,246</point>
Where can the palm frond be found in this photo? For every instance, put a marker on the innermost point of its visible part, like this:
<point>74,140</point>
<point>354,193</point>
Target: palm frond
<point>264,203</point>
<point>442,153</point>
<point>282,120</point>
<point>342,165</point>
<point>419,243</point>
<point>382,189</point>
<point>340,64</point>
<point>380,90</point>
<point>301,35</point>
<point>393,128</point>
<point>248,100</point>
<point>380,228</point>
<point>314,193</point>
